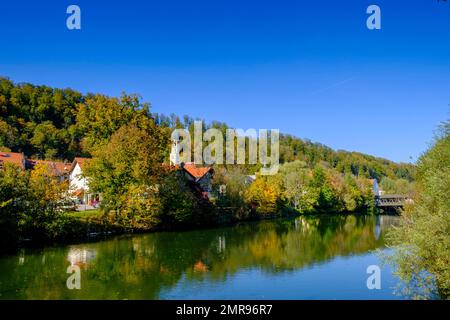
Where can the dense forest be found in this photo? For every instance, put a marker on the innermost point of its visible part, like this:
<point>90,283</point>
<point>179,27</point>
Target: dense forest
<point>59,124</point>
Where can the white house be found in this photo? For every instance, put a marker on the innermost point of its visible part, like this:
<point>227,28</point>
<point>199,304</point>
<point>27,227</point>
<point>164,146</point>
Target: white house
<point>79,184</point>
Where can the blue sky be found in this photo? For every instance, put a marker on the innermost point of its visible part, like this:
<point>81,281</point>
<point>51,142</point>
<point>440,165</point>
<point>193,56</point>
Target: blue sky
<point>308,68</point>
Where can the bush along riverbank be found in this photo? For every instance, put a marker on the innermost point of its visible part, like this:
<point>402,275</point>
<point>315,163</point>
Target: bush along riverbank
<point>421,243</point>
<point>92,225</point>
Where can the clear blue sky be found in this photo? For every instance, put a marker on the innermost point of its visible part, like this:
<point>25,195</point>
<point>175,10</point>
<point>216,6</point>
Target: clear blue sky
<point>309,68</point>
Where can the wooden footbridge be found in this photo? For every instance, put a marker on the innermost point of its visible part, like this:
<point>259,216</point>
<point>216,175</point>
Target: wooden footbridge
<point>394,201</point>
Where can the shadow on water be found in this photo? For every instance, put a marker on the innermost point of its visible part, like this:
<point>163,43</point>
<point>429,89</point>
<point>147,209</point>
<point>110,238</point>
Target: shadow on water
<point>142,266</point>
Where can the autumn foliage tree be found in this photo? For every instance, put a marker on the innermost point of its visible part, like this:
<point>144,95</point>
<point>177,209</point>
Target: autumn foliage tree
<point>32,204</point>
<point>46,205</point>
<point>126,171</point>
<point>266,193</point>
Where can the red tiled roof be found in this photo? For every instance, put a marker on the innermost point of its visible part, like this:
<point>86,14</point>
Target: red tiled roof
<point>81,162</point>
<point>196,172</point>
<point>62,166</point>
<point>12,157</point>
<point>59,168</point>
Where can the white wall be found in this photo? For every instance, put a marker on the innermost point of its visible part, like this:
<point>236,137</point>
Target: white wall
<point>76,179</point>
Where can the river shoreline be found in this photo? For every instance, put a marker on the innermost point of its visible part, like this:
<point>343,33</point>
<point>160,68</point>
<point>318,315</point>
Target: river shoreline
<point>93,230</point>
<point>96,229</point>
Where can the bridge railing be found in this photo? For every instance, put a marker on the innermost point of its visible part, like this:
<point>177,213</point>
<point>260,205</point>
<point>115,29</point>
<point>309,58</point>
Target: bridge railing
<point>391,200</point>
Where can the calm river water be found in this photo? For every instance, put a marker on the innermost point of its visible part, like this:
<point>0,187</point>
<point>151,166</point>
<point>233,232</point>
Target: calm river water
<point>318,257</point>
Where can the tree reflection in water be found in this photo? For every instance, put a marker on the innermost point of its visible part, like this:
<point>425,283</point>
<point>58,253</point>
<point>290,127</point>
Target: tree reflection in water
<point>141,266</point>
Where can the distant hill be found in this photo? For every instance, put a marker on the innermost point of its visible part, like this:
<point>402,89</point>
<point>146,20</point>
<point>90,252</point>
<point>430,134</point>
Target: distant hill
<point>52,123</point>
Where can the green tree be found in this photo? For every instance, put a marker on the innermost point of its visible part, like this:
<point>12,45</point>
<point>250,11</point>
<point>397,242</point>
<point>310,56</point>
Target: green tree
<point>179,205</point>
<point>422,242</point>
<point>297,179</point>
<point>126,168</point>
<point>235,180</point>
<point>327,197</point>
<point>13,201</point>
<point>397,186</point>
<point>99,117</point>
<point>8,135</point>
<point>45,140</point>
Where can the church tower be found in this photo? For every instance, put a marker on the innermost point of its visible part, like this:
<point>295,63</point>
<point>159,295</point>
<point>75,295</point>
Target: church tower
<point>175,153</point>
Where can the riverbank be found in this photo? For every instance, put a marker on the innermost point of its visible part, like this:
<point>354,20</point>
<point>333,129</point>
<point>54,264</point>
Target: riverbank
<point>93,225</point>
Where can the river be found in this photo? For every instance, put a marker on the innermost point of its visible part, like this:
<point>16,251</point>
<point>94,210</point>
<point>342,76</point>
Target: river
<point>314,257</point>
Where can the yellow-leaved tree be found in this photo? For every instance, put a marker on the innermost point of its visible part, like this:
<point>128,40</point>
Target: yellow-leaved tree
<point>266,194</point>
<point>46,203</point>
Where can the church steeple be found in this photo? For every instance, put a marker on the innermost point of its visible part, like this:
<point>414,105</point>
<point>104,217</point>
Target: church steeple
<point>175,153</point>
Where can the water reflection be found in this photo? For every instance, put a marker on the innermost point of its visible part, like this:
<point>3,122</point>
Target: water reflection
<point>146,266</point>
<point>80,256</point>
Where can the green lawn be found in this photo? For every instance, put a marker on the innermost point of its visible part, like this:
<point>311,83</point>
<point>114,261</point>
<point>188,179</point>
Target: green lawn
<point>85,214</point>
